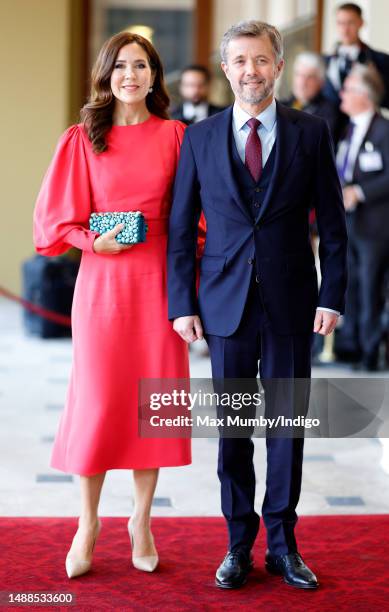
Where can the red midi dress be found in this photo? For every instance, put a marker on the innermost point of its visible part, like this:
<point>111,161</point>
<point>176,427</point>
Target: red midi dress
<point>120,326</point>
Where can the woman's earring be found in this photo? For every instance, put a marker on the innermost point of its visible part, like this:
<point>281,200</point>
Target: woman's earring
<point>150,89</point>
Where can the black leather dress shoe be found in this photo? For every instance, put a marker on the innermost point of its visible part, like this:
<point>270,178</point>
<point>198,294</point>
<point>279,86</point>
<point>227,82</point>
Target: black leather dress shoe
<point>292,568</point>
<point>234,570</point>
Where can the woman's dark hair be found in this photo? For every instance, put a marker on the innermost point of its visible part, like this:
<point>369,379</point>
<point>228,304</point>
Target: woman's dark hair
<point>97,113</point>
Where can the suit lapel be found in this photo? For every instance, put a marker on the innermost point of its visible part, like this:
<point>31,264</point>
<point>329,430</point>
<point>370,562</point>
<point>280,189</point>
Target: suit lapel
<point>288,134</point>
<point>221,149</point>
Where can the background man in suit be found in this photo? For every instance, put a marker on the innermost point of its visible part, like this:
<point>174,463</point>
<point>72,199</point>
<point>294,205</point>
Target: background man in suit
<point>309,74</point>
<point>362,160</point>
<point>308,79</point>
<point>254,171</point>
<point>350,50</point>
<point>194,91</point>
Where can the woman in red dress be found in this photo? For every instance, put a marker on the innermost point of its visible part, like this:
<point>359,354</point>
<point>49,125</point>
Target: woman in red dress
<point>122,157</point>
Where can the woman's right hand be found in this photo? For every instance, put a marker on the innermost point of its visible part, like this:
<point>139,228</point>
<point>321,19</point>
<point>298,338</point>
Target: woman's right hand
<point>107,244</point>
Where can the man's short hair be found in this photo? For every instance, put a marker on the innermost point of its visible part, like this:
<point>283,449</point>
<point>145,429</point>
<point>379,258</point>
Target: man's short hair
<point>253,29</point>
<point>313,60</point>
<point>350,6</point>
<point>371,81</point>
<point>197,68</point>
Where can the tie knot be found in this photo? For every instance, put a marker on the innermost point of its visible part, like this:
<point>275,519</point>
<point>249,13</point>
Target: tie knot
<point>253,123</point>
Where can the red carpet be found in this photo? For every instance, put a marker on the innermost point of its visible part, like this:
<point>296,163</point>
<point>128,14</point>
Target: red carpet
<point>348,553</point>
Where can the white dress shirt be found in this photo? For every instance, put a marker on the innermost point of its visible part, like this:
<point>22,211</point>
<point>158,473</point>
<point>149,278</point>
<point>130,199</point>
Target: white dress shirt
<point>344,52</point>
<point>361,122</point>
<point>195,112</point>
<point>350,51</point>
<point>267,132</point>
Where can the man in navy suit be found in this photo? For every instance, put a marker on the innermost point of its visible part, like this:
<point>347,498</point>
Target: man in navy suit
<point>307,84</point>
<point>255,170</point>
<point>350,50</point>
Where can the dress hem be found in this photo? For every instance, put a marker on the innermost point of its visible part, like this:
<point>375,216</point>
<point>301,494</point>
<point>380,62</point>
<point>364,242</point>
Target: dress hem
<point>132,467</point>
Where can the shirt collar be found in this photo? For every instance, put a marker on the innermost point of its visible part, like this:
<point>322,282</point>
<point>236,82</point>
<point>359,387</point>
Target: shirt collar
<point>362,120</point>
<point>193,112</point>
<point>355,48</point>
<point>351,51</point>
<point>267,117</point>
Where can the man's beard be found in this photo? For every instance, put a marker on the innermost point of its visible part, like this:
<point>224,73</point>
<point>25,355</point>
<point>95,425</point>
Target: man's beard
<point>255,97</point>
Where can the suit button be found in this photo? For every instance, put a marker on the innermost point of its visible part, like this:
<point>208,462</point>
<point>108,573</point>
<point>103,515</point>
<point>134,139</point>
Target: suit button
<point>258,190</point>
<point>256,227</point>
<point>250,261</point>
<point>257,279</point>
<point>256,205</point>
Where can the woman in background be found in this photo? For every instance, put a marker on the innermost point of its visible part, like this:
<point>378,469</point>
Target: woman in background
<point>122,157</point>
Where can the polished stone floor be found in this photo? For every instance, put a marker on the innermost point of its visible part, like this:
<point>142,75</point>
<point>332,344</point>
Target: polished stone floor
<point>341,476</point>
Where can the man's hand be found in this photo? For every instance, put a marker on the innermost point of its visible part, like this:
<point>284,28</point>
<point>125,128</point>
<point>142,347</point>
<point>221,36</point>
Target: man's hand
<point>189,328</point>
<point>325,322</point>
<point>107,244</point>
<point>350,197</point>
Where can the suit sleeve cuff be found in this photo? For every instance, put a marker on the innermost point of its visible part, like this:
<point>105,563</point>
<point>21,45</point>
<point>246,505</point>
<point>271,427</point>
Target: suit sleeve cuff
<point>328,310</point>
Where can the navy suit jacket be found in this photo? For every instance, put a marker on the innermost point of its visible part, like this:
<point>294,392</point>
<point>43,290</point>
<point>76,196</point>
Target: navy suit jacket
<point>371,217</point>
<point>320,106</point>
<point>304,175</point>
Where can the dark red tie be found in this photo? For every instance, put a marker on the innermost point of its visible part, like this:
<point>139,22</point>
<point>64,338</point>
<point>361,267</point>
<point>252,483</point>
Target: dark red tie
<point>253,150</point>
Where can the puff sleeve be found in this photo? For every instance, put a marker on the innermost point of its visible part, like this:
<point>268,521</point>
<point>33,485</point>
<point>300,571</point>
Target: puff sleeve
<point>63,205</point>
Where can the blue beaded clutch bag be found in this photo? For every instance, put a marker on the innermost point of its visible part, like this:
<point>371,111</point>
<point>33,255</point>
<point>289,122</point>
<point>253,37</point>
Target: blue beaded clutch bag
<point>135,226</point>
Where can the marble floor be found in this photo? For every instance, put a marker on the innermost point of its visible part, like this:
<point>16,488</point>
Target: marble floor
<point>341,476</point>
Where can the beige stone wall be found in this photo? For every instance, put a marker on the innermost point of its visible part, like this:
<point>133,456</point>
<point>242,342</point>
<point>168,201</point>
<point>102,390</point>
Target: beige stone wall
<point>34,110</point>
<point>281,13</point>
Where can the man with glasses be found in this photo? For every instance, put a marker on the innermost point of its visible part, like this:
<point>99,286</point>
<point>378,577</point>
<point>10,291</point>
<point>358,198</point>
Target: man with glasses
<point>362,161</point>
<point>309,74</point>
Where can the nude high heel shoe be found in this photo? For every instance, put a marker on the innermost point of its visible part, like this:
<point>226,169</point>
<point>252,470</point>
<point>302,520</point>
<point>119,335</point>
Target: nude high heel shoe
<point>147,563</point>
<point>76,566</point>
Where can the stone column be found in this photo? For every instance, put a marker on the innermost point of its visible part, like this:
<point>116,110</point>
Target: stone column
<point>282,13</point>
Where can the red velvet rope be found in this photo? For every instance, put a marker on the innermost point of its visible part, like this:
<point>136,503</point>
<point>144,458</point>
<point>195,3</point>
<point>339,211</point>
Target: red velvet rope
<point>50,315</point>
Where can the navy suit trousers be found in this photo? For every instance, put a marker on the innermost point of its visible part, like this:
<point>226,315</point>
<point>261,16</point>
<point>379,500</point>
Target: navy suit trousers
<point>254,344</point>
